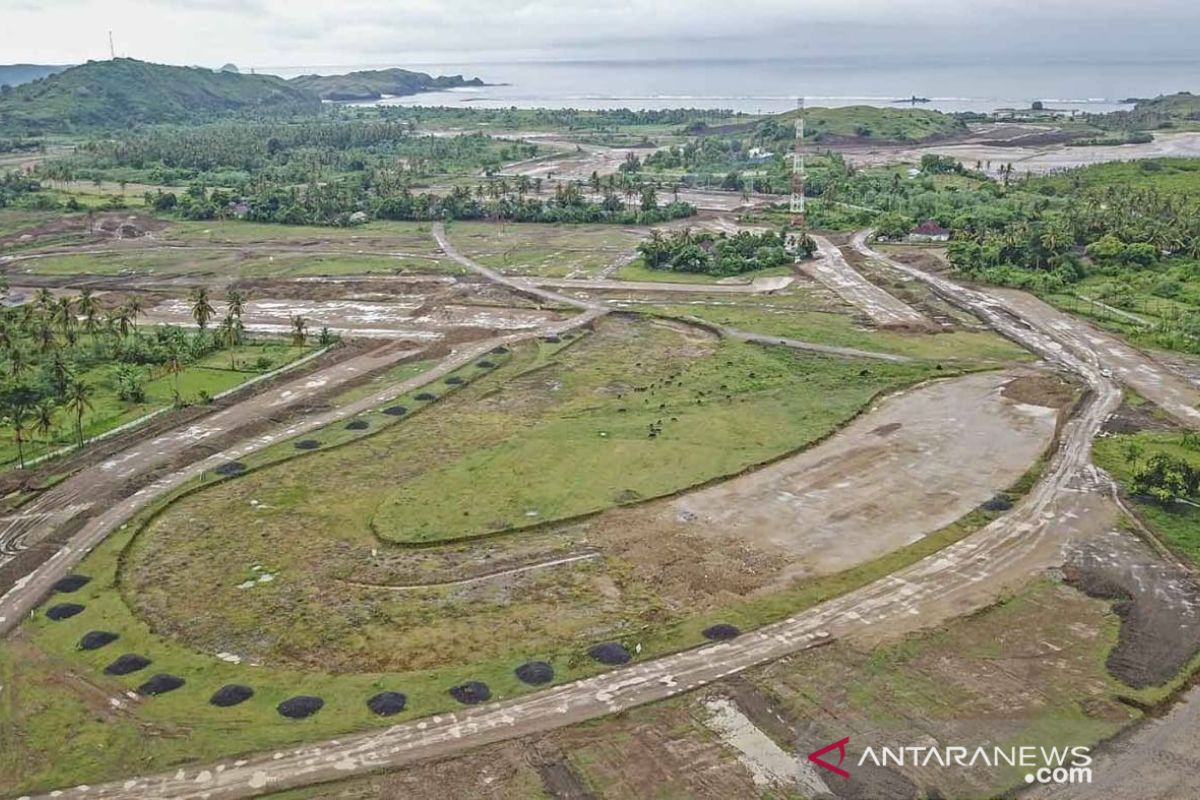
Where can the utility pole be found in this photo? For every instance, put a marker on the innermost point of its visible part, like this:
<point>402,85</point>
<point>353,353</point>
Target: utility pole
<point>112,51</point>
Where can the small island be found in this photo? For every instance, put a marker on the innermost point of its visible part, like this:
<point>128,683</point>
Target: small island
<point>375,84</point>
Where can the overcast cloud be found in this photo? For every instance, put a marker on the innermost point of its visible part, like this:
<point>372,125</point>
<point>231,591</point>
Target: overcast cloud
<point>401,32</point>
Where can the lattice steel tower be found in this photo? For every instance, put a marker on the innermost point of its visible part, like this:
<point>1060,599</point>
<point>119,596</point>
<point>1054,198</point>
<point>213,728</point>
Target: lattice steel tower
<point>798,174</point>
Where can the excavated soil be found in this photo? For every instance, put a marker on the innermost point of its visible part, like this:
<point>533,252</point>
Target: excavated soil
<point>231,694</point>
<point>300,706</point>
<point>94,640</point>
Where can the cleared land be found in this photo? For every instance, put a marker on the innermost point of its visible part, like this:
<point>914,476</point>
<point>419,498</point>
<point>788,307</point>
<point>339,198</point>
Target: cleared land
<point>550,251</point>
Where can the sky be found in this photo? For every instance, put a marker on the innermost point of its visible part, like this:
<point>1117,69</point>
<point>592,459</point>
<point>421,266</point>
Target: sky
<point>281,33</point>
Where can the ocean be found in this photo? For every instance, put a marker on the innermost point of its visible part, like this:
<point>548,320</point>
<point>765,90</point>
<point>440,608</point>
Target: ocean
<point>772,85</point>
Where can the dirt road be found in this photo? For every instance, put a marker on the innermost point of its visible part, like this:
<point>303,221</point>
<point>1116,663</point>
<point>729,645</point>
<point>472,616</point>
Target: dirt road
<point>832,270</point>
<point>755,286</point>
<point>1069,501</point>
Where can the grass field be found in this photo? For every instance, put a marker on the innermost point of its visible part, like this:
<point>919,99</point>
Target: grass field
<point>226,262</point>
<point>775,317</point>
<point>1179,524</point>
<point>638,271</point>
<point>551,251</point>
<point>207,377</point>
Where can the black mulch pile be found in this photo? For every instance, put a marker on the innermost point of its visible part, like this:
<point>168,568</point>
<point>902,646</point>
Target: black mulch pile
<point>230,468</point>
<point>307,444</point>
<point>535,673</point>
<point>387,703</point>
<point>160,684</point>
<point>425,397</point>
<point>453,380</point>
<point>230,695</point>
<point>63,611</point>
<point>126,664</point>
<point>72,583</point>
<point>1000,502</point>
<point>611,653</point>
<point>501,350</point>
<point>357,425</point>
<point>300,706</point>
<point>471,692</point>
<point>486,364</point>
<point>551,339</point>
<point>94,640</point>
<point>395,411</point>
<point>721,632</point>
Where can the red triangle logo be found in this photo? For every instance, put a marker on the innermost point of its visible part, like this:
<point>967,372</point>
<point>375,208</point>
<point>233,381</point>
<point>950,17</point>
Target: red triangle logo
<point>840,746</point>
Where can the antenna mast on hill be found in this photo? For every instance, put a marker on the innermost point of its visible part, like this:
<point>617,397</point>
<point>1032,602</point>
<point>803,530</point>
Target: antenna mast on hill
<point>112,51</point>
<point>796,206</point>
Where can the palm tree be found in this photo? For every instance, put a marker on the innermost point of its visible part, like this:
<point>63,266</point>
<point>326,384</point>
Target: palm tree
<point>235,303</point>
<point>18,425</point>
<point>202,310</point>
<point>231,332</point>
<point>79,400</point>
<point>175,366</point>
<point>135,306</point>
<point>43,420</point>
<point>90,310</point>
<point>299,330</point>
<point>64,315</point>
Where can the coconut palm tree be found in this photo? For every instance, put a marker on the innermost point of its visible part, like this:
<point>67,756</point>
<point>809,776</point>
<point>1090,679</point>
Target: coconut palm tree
<point>17,421</point>
<point>43,420</point>
<point>90,310</point>
<point>79,401</point>
<point>136,308</point>
<point>202,309</point>
<point>235,303</point>
<point>299,330</point>
<point>230,331</point>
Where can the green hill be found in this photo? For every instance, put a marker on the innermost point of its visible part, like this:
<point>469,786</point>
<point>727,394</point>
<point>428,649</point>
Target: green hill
<point>123,92</point>
<point>373,84</point>
<point>16,74</point>
<point>846,125</point>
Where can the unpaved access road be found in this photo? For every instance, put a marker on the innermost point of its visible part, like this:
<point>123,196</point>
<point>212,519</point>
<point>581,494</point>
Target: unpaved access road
<point>832,270</point>
<point>916,463</point>
<point>755,286</point>
<point>1069,502</point>
<point>398,317</point>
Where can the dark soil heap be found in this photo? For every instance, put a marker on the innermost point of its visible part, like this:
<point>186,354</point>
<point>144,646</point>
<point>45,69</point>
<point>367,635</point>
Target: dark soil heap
<point>357,425</point>
<point>230,695</point>
<point>721,632</point>
<point>160,684</point>
<point>94,640</point>
<point>611,653</point>
<point>307,444</point>
<point>534,673</point>
<point>425,397</point>
<point>126,664</point>
<point>300,706</point>
<point>471,693</point>
<point>230,468</point>
<point>385,704</point>
<point>395,411</point>
<point>63,611</point>
<point>72,583</point>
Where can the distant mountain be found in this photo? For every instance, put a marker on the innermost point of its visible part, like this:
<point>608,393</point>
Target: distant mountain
<point>124,92</point>
<point>16,74</point>
<point>374,84</point>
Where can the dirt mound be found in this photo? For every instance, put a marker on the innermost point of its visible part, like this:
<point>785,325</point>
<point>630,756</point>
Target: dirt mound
<point>425,397</point>
<point>230,468</point>
<point>160,684</point>
<point>499,351</point>
<point>63,611</point>
<point>471,693</point>
<point>453,380</point>
<point>72,583</point>
<point>611,653</point>
<point>357,425</point>
<point>535,673</point>
<point>126,664</point>
<point>230,695</point>
<point>485,364</point>
<point>1000,502</point>
<point>300,706</point>
<point>395,411</point>
<point>385,704</point>
<point>721,632</point>
<point>94,640</point>
<point>307,444</point>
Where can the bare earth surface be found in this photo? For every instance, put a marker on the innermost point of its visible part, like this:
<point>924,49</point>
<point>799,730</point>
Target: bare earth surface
<point>913,465</point>
<point>832,270</point>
